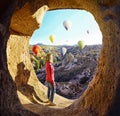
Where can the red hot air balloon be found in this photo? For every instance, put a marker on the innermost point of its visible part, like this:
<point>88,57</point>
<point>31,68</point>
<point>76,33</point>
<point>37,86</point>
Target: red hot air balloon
<point>36,49</point>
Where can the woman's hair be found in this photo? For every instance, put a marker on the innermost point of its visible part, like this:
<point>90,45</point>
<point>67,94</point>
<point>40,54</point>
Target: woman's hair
<point>49,57</point>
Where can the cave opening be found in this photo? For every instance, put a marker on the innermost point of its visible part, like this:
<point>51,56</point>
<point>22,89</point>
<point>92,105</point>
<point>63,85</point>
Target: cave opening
<point>96,100</point>
<point>74,66</point>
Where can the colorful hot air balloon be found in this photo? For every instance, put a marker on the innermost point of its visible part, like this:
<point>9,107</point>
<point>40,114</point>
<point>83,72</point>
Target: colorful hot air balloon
<point>52,38</point>
<point>67,24</point>
<point>36,49</point>
<point>81,44</point>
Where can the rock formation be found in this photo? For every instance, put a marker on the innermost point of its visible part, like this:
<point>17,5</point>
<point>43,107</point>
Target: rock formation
<point>20,18</point>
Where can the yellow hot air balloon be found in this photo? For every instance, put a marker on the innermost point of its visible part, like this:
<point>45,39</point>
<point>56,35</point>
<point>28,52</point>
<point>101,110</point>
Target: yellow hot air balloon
<point>81,44</point>
<point>52,38</point>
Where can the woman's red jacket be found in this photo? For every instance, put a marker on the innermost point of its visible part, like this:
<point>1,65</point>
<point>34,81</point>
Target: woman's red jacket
<point>49,72</point>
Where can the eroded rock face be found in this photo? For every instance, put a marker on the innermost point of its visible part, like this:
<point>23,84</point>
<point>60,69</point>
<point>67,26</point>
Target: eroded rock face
<point>101,96</point>
<point>24,21</point>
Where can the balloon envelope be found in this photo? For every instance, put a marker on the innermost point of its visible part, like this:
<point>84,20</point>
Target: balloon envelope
<point>81,44</point>
<point>63,51</point>
<point>52,38</point>
<point>67,24</point>
<point>36,49</point>
<point>88,31</point>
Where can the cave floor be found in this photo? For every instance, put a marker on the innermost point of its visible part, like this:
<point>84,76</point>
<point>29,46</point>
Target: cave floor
<point>60,102</point>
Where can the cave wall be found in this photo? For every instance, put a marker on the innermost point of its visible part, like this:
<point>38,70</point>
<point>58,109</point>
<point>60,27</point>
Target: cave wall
<point>25,22</point>
<point>19,64</point>
<point>9,105</point>
<point>102,95</point>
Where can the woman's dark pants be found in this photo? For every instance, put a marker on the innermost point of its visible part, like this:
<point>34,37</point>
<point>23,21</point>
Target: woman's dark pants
<point>51,91</point>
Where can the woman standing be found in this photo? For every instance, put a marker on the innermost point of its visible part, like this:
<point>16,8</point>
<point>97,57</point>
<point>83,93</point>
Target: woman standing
<point>50,78</point>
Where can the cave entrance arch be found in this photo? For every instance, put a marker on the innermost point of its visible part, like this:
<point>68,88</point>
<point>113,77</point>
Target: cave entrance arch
<point>83,27</point>
<point>108,68</point>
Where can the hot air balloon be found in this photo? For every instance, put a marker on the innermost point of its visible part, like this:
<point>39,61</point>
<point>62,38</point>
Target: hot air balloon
<point>87,31</point>
<point>36,49</point>
<point>63,51</point>
<point>52,38</point>
<point>81,44</point>
<point>67,24</point>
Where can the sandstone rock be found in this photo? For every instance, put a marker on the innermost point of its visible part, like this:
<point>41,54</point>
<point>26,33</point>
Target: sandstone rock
<point>96,101</point>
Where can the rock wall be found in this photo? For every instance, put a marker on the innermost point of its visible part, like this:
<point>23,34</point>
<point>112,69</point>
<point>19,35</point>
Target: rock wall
<point>19,64</point>
<point>102,95</point>
<point>25,22</point>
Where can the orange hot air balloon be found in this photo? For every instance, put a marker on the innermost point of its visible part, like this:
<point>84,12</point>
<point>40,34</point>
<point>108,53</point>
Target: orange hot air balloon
<point>36,49</point>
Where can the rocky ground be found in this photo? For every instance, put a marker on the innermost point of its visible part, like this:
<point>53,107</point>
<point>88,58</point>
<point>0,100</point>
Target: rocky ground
<point>74,70</point>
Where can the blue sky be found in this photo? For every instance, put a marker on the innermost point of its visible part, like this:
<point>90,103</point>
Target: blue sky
<point>81,20</point>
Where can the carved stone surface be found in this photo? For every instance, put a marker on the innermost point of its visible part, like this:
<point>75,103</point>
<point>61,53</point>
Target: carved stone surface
<point>102,95</point>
